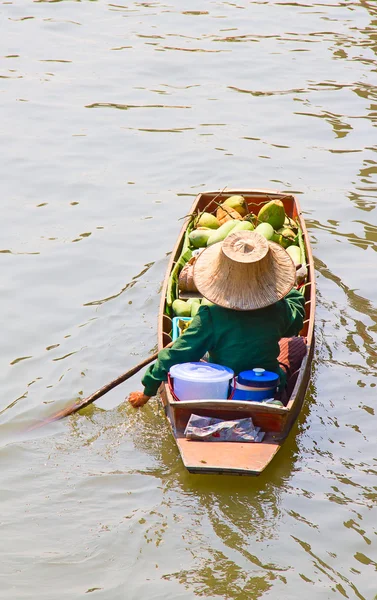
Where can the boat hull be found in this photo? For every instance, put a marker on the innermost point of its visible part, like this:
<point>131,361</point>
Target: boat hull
<point>235,457</point>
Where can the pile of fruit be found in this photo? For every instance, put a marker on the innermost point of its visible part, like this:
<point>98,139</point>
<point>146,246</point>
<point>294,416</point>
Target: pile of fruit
<point>232,215</point>
<point>189,308</point>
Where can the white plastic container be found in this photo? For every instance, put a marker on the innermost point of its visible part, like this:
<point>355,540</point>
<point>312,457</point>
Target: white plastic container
<point>201,381</point>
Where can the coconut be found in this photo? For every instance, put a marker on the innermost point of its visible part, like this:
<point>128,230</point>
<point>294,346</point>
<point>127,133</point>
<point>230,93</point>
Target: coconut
<point>199,237</point>
<point>242,226</point>
<point>208,220</point>
<point>287,237</point>
<point>295,254</point>
<point>238,203</point>
<point>227,213</point>
<point>220,234</point>
<point>266,230</point>
<point>273,213</point>
<point>195,307</point>
<point>181,308</point>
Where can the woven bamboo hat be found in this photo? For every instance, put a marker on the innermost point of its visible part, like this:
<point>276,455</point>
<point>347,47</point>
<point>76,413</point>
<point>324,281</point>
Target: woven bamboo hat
<point>244,272</point>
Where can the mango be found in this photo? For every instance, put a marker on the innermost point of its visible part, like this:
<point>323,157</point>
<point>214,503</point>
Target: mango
<point>199,237</point>
<point>266,230</point>
<point>273,213</point>
<point>238,203</point>
<point>208,220</point>
<point>220,234</point>
<point>181,308</point>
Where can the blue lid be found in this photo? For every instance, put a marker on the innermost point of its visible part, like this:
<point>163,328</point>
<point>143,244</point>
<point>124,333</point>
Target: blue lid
<point>258,378</point>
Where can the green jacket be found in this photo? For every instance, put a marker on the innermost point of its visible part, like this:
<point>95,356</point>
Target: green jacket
<point>240,340</point>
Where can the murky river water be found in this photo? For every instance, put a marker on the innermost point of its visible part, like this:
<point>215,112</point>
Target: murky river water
<point>113,117</point>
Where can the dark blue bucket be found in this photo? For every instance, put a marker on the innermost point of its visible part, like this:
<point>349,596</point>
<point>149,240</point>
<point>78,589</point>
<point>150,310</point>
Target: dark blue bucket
<point>255,385</point>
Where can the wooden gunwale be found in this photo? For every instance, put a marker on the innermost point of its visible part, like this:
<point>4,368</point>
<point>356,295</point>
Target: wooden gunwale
<point>228,457</point>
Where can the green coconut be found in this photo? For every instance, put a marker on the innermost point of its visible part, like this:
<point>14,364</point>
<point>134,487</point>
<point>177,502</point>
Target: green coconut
<point>242,226</point>
<point>199,237</point>
<point>220,234</point>
<point>266,230</point>
<point>273,213</point>
<point>208,220</point>
<point>238,203</point>
<point>195,305</point>
<point>287,237</point>
<point>295,254</point>
<point>181,308</point>
<point>206,302</point>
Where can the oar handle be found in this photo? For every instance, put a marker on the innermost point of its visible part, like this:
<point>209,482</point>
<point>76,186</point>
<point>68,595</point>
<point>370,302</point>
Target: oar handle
<point>69,410</point>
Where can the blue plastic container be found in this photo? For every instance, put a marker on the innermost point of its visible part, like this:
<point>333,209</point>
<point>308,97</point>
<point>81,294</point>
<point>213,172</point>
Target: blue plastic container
<point>176,331</point>
<point>255,385</point>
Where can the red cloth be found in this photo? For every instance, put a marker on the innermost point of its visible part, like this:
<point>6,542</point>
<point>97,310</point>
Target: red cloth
<point>292,351</point>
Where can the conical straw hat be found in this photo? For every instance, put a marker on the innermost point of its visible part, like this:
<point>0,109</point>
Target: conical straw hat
<point>244,272</point>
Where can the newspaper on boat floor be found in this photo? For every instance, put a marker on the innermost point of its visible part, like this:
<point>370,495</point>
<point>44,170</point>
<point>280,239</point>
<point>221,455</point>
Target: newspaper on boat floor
<point>210,429</point>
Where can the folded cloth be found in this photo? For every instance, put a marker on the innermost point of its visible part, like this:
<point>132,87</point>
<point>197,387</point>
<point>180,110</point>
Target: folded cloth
<point>210,429</point>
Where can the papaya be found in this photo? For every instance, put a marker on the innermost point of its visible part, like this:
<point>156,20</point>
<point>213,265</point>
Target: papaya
<point>207,220</point>
<point>266,230</point>
<point>181,308</point>
<point>199,237</point>
<point>273,213</point>
<point>220,234</point>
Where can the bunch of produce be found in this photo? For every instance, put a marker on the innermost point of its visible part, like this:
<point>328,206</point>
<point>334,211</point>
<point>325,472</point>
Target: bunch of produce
<point>232,215</point>
<point>189,308</point>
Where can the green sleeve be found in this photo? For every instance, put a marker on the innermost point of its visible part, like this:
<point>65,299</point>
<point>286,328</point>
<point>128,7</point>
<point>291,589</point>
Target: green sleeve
<point>189,347</point>
<point>293,313</point>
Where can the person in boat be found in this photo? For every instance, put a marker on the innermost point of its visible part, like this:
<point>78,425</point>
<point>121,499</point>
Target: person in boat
<point>250,282</point>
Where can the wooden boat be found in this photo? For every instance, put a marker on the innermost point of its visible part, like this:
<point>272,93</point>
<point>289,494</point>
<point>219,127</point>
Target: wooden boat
<point>276,421</point>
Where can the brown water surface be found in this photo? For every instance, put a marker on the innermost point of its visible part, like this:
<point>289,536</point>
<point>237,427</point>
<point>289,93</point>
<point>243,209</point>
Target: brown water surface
<point>113,117</point>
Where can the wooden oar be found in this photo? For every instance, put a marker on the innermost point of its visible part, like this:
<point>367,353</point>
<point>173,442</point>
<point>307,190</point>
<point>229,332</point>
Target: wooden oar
<point>65,412</point>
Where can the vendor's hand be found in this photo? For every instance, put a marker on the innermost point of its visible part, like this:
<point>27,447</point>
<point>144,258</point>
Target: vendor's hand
<point>137,399</point>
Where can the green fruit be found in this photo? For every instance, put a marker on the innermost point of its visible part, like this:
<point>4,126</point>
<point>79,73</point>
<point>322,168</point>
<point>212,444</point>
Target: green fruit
<point>181,308</point>
<point>252,218</point>
<point>208,220</point>
<point>273,213</point>
<point>295,254</point>
<point>199,237</point>
<point>288,222</point>
<point>266,230</point>
<point>195,305</point>
<point>287,237</point>
<point>237,203</point>
<point>206,302</point>
<point>220,234</point>
<point>242,226</point>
